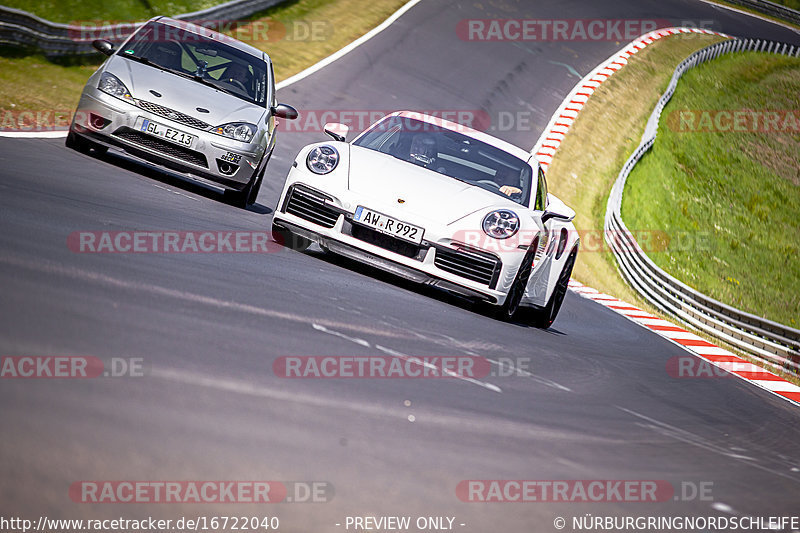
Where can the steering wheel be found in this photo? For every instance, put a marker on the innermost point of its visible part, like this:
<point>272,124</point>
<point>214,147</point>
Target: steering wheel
<point>515,195</point>
<point>489,182</point>
<point>237,83</point>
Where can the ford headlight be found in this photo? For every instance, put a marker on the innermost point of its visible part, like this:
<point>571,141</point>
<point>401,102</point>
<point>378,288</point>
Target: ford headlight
<point>110,84</point>
<point>240,131</point>
<point>501,224</point>
<point>322,159</point>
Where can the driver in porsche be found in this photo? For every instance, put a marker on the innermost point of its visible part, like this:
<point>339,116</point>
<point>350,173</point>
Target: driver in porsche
<point>507,182</point>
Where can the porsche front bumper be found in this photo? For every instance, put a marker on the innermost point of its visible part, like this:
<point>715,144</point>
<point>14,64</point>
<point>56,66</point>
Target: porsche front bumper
<point>442,263</point>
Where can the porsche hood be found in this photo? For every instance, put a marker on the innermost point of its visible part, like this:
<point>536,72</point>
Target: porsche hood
<point>422,192</point>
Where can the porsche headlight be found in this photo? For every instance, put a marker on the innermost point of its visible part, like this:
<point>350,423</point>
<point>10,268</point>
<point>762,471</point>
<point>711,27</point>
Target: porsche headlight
<point>322,159</point>
<point>110,84</point>
<point>501,224</point>
<point>240,131</point>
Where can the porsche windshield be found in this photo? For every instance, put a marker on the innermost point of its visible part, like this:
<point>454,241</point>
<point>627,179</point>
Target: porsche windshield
<point>207,61</point>
<point>451,153</point>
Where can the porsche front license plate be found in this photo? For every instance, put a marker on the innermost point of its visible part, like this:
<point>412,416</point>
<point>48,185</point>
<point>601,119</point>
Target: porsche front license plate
<point>389,225</point>
<point>159,130</point>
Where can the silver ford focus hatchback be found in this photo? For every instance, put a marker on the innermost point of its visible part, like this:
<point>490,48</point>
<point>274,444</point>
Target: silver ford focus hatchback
<point>185,98</point>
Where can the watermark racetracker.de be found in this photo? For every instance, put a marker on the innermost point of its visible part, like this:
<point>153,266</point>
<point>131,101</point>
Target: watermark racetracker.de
<point>581,490</point>
<point>71,367</point>
<point>256,33</point>
<point>771,121</point>
<point>172,242</point>
<point>561,30</point>
<point>200,491</point>
<point>397,367</point>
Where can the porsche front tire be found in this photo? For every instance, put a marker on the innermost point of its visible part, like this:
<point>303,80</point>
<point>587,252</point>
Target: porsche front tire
<point>544,317</point>
<point>510,308</point>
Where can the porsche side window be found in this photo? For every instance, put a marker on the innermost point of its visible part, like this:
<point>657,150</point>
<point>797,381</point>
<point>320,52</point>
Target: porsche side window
<point>383,138</point>
<point>541,192</point>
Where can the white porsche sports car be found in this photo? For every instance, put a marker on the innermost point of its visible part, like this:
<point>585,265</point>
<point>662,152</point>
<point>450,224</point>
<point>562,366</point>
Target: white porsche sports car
<point>437,203</point>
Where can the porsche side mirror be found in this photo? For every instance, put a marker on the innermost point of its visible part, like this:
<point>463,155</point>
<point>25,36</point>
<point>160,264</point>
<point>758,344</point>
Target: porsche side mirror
<point>557,209</point>
<point>284,111</point>
<point>103,46</point>
<point>548,214</point>
<point>336,130</point>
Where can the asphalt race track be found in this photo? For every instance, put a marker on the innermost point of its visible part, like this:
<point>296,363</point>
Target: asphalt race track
<point>598,404</point>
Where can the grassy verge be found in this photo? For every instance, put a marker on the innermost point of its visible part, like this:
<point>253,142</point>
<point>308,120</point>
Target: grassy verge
<point>599,142</point>
<point>606,132</point>
<point>73,11</point>
<point>792,4</point>
<point>733,195</point>
<point>308,30</point>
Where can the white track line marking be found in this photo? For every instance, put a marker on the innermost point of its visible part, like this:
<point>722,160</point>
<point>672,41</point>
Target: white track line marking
<point>347,49</point>
<point>395,353</point>
<point>492,387</point>
<point>102,279</point>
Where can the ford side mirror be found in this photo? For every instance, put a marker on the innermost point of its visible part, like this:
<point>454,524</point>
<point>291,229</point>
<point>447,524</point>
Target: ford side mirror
<point>284,111</point>
<point>103,46</point>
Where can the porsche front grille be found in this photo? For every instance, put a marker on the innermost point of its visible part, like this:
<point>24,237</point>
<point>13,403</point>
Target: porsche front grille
<point>393,244</point>
<point>310,206</point>
<point>171,114</point>
<point>470,265</point>
<point>160,145</point>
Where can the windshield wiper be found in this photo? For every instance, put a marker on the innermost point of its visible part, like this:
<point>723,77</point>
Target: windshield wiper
<point>144,60</point>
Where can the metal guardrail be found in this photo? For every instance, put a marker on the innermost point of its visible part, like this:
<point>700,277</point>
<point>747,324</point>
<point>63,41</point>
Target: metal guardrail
<point>20,28</point>
<point>770,8</point>
<point>774,343</point>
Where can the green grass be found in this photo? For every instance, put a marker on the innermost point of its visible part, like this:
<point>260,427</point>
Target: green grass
<point>76,11</point>
<point>730,200</point>
<point>792,4</point>
<point>33,83</point>
<point>606,132</point>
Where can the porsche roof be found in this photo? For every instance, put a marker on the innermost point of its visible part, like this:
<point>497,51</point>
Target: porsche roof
<point>475,134</point>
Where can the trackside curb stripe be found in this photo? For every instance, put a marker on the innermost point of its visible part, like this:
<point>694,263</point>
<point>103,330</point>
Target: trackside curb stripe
<point>697,346</point>
<point>553,134</point>
<point>580,94</point>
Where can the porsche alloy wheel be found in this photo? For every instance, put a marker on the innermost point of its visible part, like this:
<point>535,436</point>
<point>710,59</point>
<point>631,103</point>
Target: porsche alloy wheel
<point>544,317</point>
<point>509,309</point>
